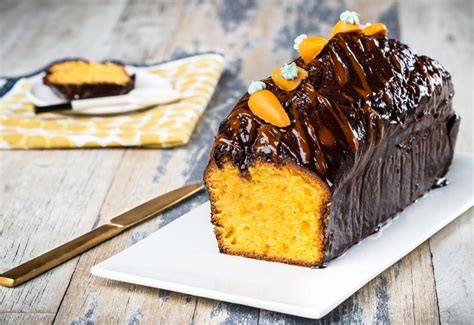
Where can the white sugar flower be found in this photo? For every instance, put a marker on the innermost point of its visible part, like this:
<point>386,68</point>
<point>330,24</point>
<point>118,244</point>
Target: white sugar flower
<point>298,40</point>
<point>256,86</point>
<point>289,71</point>
<point>350,17</point>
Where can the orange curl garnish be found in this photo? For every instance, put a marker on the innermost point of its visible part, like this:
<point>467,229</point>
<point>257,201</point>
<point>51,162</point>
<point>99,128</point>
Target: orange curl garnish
<point>311,47</point>
<point>377,29</point>
<point>288,85</point>
<point>344,27</point>
<point>266,105</point>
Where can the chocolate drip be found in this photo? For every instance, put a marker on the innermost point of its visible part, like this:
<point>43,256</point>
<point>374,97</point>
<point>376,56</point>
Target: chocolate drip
<point>358,88</point>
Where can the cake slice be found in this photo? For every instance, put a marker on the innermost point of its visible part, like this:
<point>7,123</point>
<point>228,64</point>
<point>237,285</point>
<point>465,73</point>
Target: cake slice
<point>78,79</point>
<point>309,163</point>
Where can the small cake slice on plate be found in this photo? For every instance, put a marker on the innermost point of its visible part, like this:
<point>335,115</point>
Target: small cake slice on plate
<point>78,79</point>
<point>317,157</point>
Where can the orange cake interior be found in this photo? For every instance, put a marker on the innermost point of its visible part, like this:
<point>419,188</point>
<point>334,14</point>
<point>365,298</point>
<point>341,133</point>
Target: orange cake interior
<point>82,72</point>
<point>252,218</point>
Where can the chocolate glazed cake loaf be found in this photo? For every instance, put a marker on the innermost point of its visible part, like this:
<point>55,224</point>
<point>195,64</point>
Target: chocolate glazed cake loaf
<point>371,128</point>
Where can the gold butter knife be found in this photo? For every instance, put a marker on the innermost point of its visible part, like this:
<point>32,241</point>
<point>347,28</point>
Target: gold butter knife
<point>78,245</point>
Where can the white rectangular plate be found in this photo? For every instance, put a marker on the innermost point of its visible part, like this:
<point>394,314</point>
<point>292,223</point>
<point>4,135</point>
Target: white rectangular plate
<point>183,257</point>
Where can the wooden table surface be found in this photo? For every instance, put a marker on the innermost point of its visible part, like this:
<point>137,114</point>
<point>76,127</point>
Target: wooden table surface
<point>47,197</point>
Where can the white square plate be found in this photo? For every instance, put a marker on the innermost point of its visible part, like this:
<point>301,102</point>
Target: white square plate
<point>183,257</point>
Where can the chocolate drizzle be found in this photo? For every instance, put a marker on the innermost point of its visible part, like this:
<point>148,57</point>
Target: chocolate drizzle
<point>367,101</point>
<point>358,89</point>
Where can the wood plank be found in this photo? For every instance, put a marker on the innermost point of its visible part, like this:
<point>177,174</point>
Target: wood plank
<point>414,294</point>
<point>101,298</point>
<point>12,13</point>
<point>453,263</point>
<point>47,196</point>
<point>218,312</point>
<point>42,31</point>
<point>26,318</point>
<point>445,33</point>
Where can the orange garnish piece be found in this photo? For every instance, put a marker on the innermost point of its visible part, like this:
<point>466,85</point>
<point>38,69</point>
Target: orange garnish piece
<point>288,85</point>
<point>266,105</point>
<point>311,47</point>
<point>344,27</point>
<point>377,29</point>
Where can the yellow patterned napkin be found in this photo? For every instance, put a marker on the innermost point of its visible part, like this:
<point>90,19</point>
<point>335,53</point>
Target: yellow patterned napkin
<point>168,125</point>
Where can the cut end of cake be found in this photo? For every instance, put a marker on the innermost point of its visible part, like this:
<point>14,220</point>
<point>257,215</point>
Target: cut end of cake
<point>87,72</point>
<point>273,212</point>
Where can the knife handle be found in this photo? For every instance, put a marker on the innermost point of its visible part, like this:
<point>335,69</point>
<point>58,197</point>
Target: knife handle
<point>58,255</point>
<point>53,108</point>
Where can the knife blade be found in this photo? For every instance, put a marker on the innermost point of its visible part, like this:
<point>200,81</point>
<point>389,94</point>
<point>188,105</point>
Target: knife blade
<point>112,228</point>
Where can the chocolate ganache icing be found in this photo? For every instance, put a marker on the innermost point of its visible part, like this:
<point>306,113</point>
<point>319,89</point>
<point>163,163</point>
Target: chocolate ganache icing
<point>360,90</point>
<point>362,113</point>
